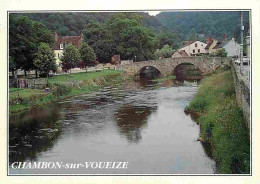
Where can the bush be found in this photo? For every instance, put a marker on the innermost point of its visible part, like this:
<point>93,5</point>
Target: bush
<point>222,123</point>
<point>60,89</point>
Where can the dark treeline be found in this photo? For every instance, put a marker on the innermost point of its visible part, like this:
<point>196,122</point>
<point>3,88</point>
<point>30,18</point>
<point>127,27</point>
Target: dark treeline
<point>204,24</point>
<point>187,25</point>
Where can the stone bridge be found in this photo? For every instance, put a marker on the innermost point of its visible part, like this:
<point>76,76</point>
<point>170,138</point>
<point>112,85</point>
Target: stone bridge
<point>166,66</point>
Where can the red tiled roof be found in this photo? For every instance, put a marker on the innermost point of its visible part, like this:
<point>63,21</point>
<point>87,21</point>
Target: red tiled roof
<point>74,40</point>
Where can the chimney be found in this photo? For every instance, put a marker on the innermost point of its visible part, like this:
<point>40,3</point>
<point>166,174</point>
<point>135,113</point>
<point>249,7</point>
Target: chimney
<point>225,37</point>
<point>56,36</point>
<point>208,40</point>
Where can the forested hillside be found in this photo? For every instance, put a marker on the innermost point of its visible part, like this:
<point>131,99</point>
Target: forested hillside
<point>73,23</point>
<point>204,23</point>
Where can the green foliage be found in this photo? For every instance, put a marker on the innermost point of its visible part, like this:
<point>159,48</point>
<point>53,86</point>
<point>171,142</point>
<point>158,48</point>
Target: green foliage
<point>94,32</point>
<point>24,38</point>
<point>61,86</point>
<point>60,89</point>
<point>165,52</point>
<point>167,38</point>
<point>104,50</point>
<point>221,53</point>
<point>87,54</point>
<point>214,24</point>
<point>71,56</point>
<point>61,79</point>
<point>45,60</point>
<point>222,123</point>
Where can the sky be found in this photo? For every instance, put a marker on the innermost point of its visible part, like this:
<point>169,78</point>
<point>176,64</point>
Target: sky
<point>153,13</point>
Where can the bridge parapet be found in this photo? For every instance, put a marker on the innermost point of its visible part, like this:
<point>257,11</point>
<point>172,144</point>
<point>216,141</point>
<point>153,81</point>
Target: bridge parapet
<point>242,88</point>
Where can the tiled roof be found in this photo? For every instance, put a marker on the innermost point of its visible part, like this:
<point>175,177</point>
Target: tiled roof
<point>209,44</point>
<point>75,40</point>
<point>218,45</point>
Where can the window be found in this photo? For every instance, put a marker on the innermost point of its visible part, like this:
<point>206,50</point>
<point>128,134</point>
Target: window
<point>61,46</point>
<point>193,50</point>
<point>198,50</point>
<point>196,45</point>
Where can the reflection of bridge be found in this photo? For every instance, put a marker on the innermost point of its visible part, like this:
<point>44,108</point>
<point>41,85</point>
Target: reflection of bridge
<point>166,66</point>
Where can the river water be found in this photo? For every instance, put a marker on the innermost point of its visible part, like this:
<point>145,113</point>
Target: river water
<point>142,123</point>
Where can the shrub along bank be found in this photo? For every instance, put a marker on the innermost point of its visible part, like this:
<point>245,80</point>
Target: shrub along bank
<point>221,122</point>
<point>62,86</point>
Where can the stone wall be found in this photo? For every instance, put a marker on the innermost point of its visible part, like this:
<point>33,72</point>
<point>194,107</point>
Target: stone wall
<point>242,89</point>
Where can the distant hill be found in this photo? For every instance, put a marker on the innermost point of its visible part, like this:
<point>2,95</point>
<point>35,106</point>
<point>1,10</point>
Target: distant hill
<point>196,25</point>
<point>204,23</point>
<point>72,23</point>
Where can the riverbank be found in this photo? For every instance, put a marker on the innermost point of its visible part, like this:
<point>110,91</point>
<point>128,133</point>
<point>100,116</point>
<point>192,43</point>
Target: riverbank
<point>221,122</point>
<point>61,86</point>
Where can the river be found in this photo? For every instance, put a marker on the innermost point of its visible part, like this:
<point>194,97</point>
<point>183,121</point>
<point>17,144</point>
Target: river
<point>142,123</point>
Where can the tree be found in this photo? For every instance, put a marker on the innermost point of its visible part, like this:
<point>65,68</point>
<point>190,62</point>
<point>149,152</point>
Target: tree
<point>25,36</point>
<point>45,60</point>
<point>93,33</point>
<point>87,54</point>
<point>12,66</point>
<point>165,52</point>
<point>221,53</point>
<point>137,41</point>
<point>70,57</point>
<point>104,50</point>
<point>167,38</point>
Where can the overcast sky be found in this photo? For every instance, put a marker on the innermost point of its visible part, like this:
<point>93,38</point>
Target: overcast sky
<point>153,12</point>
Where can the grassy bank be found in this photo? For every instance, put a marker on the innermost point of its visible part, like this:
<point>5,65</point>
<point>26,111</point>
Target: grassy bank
<point>61,86</point>
<point>221,122</point>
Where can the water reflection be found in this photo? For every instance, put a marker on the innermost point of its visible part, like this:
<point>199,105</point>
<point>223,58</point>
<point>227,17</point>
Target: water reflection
<point>149,72</point>
<point>131,120</point>
<point>33,132</point>
<point>142,122</point>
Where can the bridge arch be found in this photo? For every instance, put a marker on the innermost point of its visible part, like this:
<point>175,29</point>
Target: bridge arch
<point>149,72</point>
<point>187,70</point>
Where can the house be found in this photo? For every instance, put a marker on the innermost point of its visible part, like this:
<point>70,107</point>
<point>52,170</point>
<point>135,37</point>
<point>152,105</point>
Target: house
<point>180,53</point>
<point>61,42</point>
<point>230,46</point>
<point>211,43</point>
<point>194,47</point>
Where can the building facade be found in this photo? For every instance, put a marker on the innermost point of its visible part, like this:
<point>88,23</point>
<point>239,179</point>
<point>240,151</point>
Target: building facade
<point>210,45</point>
<point>62,41</point>
<point>193,48</point>
<point>231,47</point>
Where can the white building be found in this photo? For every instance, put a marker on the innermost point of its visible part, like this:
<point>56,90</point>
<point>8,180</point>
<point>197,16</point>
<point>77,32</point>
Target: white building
<point>193,48</point>
<point>230,46</point>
